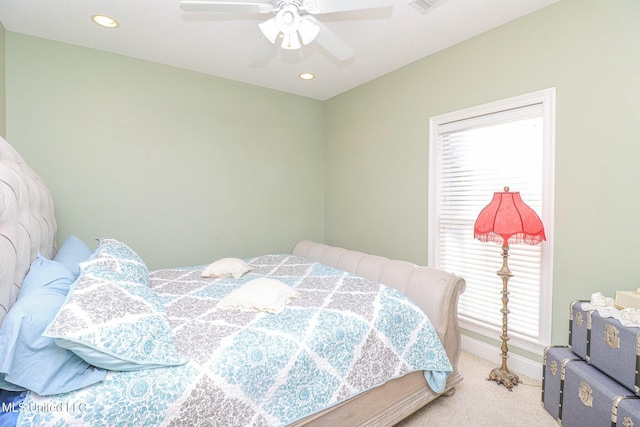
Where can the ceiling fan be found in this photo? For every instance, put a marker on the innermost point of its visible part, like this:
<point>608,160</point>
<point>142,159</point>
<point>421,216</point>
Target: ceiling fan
<point>294,20</point>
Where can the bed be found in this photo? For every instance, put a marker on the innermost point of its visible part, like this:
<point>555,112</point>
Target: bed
<point>320,336</point>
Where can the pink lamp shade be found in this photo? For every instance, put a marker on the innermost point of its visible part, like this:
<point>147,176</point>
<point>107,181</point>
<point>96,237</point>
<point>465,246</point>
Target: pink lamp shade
<point>508,218</point>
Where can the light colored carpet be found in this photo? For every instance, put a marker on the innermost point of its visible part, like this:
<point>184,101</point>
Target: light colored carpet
<point>481,403</point>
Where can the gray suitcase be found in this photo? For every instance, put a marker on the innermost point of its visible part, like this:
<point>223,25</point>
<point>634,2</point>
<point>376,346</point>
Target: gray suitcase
<point>590,398</point>
<point>628,413</point>
<point>554,364</point>
<point>580,330</point>
<point>615,350</point>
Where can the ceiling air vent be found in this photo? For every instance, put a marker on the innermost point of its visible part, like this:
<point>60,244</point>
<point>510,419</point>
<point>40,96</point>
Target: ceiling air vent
<point>423,5</point>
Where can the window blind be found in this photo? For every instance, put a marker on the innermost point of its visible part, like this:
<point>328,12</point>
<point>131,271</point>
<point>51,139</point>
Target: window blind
<point>475,158</point>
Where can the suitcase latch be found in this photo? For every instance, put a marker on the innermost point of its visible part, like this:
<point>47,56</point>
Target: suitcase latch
<point>554,368</point>
<point>611,336</point>
<point>579,320</point>
<point>585,394</point>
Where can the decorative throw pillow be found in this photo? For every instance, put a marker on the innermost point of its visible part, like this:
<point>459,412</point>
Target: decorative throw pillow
<point>29,360</point>
<point>121,258</point>
<point>227,267</point>
<point>262,294</point>
<point>114,323</point>
<point>72,252</point>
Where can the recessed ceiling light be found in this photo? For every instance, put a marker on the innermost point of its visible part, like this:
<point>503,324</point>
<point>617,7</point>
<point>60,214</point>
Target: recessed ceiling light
<point>105,21</point>
<point>306,76</point>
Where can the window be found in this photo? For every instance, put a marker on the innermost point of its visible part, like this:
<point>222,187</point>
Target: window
<point>474,153</point>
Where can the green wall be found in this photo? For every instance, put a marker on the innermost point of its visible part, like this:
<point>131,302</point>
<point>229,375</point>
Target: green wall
<point>184,167</point>
<point>377,135</point>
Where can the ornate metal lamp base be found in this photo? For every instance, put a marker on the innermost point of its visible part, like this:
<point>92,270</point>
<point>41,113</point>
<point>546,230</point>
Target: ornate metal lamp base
<point>504,377</point>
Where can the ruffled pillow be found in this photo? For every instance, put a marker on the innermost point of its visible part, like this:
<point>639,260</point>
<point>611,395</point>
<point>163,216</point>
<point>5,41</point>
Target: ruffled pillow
<point>261,294</point>
<point>227,267</point>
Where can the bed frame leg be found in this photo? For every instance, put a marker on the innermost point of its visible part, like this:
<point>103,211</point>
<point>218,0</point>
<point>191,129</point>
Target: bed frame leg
<point>449,392</point>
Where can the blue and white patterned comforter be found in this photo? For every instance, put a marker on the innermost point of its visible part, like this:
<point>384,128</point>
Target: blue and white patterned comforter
<point>340,336</point>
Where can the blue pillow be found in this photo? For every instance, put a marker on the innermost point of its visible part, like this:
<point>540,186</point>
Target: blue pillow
<point>29,360</point>
<point>46,273</point>
<point>72,252</point>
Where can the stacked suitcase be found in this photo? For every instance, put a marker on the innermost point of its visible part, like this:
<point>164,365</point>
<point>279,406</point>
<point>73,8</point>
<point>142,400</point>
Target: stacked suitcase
<point>593,381</point>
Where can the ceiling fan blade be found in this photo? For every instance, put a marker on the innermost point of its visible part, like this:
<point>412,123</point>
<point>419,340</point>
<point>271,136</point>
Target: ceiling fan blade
<point>308,29</point>
<point>330,6</point>
<point>334,44</point>
<point>265,6</point>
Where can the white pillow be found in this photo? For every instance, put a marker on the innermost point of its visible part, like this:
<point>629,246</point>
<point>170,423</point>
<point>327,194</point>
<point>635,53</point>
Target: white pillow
<point>227,267</point>
<point>260,294</point>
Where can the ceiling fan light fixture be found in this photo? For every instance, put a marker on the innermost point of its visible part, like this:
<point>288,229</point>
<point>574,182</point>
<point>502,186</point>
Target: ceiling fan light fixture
<point>308,29</point>
<point>270,29</point>
<point>288,19</point>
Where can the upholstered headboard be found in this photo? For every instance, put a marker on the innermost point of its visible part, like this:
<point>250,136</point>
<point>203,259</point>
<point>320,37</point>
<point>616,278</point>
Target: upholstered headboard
<point>27,223</point>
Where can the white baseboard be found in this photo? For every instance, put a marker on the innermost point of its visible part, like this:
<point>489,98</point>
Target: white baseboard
<point>518,364</point>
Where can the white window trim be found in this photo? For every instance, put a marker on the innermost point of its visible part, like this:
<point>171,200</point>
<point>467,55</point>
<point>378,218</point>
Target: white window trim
<point>547,98</point>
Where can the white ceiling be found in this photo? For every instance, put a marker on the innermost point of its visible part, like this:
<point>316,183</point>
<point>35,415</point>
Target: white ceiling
<point>228,45</point>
